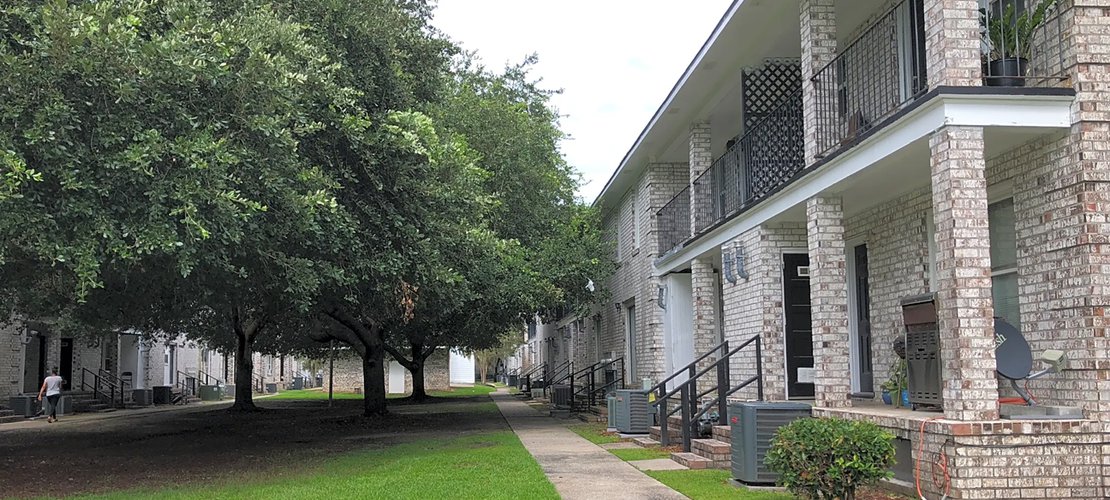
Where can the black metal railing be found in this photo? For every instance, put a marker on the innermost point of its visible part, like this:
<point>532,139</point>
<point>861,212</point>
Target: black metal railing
<point>103,389</point>
<point>673,221</point>
<point>206,378</point>
<point>768,156</point>
<point>1024,43</point>
<point>588,389</point>
<point>186,385</point>
<point>557,374</point>
<point>124,385</point>
<point>872,78</point>
<point>530,376</point>
<point>687,400</point>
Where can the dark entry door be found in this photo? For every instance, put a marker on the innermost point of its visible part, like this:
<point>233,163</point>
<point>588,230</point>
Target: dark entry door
<point>863,321</point>
<point>65,363</point>
<point>799,326</point>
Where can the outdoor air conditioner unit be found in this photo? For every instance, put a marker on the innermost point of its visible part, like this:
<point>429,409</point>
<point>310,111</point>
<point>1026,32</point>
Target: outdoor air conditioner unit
<point>560,395</point>
<point>632,413</point>
<point>753,427</point>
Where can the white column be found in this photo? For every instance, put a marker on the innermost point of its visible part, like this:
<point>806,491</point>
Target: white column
<point>140,365</point>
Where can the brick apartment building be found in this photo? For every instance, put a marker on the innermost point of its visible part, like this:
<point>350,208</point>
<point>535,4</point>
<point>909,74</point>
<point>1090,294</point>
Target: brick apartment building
<point>819,162</point>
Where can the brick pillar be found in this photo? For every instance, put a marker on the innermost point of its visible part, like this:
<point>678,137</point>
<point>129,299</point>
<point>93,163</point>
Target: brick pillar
<point>964,308</point>
<point>818,50</point>
<point>705,315</point>
<point>828,295</point>
<point>952,43</point>
<point>701,158</point>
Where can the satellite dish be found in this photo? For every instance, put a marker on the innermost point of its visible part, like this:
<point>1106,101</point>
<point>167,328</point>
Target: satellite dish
<point>1014,357</point>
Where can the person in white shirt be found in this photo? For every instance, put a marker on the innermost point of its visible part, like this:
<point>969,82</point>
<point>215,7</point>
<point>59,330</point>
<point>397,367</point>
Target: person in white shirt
<point>52,387</point>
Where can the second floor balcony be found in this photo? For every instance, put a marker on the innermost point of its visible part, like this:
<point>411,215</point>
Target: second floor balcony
<point>878,76</point>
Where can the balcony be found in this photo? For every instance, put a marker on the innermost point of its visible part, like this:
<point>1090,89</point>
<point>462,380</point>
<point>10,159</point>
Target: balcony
<point>875,80</point>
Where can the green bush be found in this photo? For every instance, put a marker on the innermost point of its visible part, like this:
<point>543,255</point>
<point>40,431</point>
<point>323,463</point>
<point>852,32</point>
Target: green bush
<point>829,458</point>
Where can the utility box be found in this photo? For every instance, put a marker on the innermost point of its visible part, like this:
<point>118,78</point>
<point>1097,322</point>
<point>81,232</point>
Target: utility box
<point>560,395</point>
<point>923,360</point>
<point>753,427</point>
<point>142,397</point>
<point>298,383</point>
<point>271,388</point>
<point>611,407</point>
<point>24,406</point>
<point>65,405</point>
<point>229,390</point>
<point>209,393</point>
<point>163,394</point>
<point>632,412</point>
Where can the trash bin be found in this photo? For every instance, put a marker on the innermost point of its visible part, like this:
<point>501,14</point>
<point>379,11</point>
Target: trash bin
<point>209,393</point>
<point>298,383</point>
<point>163,394</point>
<point>514,380</point>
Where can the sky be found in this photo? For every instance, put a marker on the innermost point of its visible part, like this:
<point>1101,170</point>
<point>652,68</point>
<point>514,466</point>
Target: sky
<point>614,60</point>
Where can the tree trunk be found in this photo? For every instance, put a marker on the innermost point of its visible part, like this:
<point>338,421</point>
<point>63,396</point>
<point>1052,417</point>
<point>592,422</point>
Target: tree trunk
<point>373,380</point>
<point>483,372</point>
<point>416,368</point>
<point>244,372</point>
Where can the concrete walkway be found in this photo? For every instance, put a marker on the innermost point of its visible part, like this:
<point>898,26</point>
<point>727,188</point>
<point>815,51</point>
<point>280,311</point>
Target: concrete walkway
<point>578,468</point>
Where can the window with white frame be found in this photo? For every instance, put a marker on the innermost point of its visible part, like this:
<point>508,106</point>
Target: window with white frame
<point>1004,275</point>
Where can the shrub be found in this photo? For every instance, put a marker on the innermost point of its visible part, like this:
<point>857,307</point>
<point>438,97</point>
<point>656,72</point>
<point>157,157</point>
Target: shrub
<point>829,458</point>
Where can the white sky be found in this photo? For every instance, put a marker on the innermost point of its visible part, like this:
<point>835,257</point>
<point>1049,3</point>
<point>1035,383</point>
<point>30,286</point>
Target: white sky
<point>615,61</point>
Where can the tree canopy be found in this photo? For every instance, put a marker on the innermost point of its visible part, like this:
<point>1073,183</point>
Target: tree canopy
<point>268,174</point>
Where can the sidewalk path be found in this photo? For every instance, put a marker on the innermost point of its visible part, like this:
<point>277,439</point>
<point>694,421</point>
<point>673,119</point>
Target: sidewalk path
<point>578,468</point>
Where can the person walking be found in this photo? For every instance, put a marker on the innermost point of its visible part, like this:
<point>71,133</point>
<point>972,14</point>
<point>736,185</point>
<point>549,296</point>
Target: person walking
<point>52,387</point>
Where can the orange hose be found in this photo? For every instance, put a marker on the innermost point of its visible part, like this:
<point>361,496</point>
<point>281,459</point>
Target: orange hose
<point>941,462</point>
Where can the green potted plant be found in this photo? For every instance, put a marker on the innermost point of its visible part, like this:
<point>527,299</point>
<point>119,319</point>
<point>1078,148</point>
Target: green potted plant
<point>1008,41</point>
<point>895,387</point>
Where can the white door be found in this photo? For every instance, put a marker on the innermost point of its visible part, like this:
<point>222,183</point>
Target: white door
<point>170,362</point>
<point>678,326</point>
<point>396,378</point>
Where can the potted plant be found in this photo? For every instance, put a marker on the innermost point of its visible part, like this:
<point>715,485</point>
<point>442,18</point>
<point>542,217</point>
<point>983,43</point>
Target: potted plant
<point>1008,41</point>
<point>895,387</point>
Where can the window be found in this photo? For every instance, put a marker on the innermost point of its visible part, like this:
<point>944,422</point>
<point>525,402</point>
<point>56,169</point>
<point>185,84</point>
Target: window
<point>1004,275</point>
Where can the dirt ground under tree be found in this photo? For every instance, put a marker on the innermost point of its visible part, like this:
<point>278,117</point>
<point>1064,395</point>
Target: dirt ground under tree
<point>202,445</point>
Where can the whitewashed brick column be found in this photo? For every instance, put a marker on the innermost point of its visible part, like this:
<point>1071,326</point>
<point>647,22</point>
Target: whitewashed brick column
<point>953,45</point>
<point>818,25</point>
<point>701,158</point>
<point>704,283</point>
<point>828,294</point>
<point>965,311</point>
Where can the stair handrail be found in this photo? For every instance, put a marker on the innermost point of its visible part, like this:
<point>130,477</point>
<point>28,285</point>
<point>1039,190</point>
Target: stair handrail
<point>124,386</point>
<point>689,398</point>
<point>208,378</point>
<point>182,382</point>
<point>100,386</point>
<point>561,372</point>
<point>589,388</point>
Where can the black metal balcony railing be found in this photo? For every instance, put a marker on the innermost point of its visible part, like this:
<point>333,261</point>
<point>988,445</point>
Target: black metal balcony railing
<point>872,78</point>
<point>765,158</point>
<point>673,221</point>
<point>1024,42</point>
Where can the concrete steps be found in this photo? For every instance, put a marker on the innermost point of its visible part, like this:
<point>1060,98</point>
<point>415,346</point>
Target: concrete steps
<point>691,460</point>
<point>646,442</point>
<point>9,416</point>
<point>674,432</point>
<point>717,452</point>
<point>722,433</point>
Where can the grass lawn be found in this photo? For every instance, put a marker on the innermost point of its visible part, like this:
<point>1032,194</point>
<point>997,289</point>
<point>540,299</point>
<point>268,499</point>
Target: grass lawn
<point>710,484</point>
<point>487,465</point>
<point>594,433</point>
<point>457,392</point>
<point>629,454</point>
